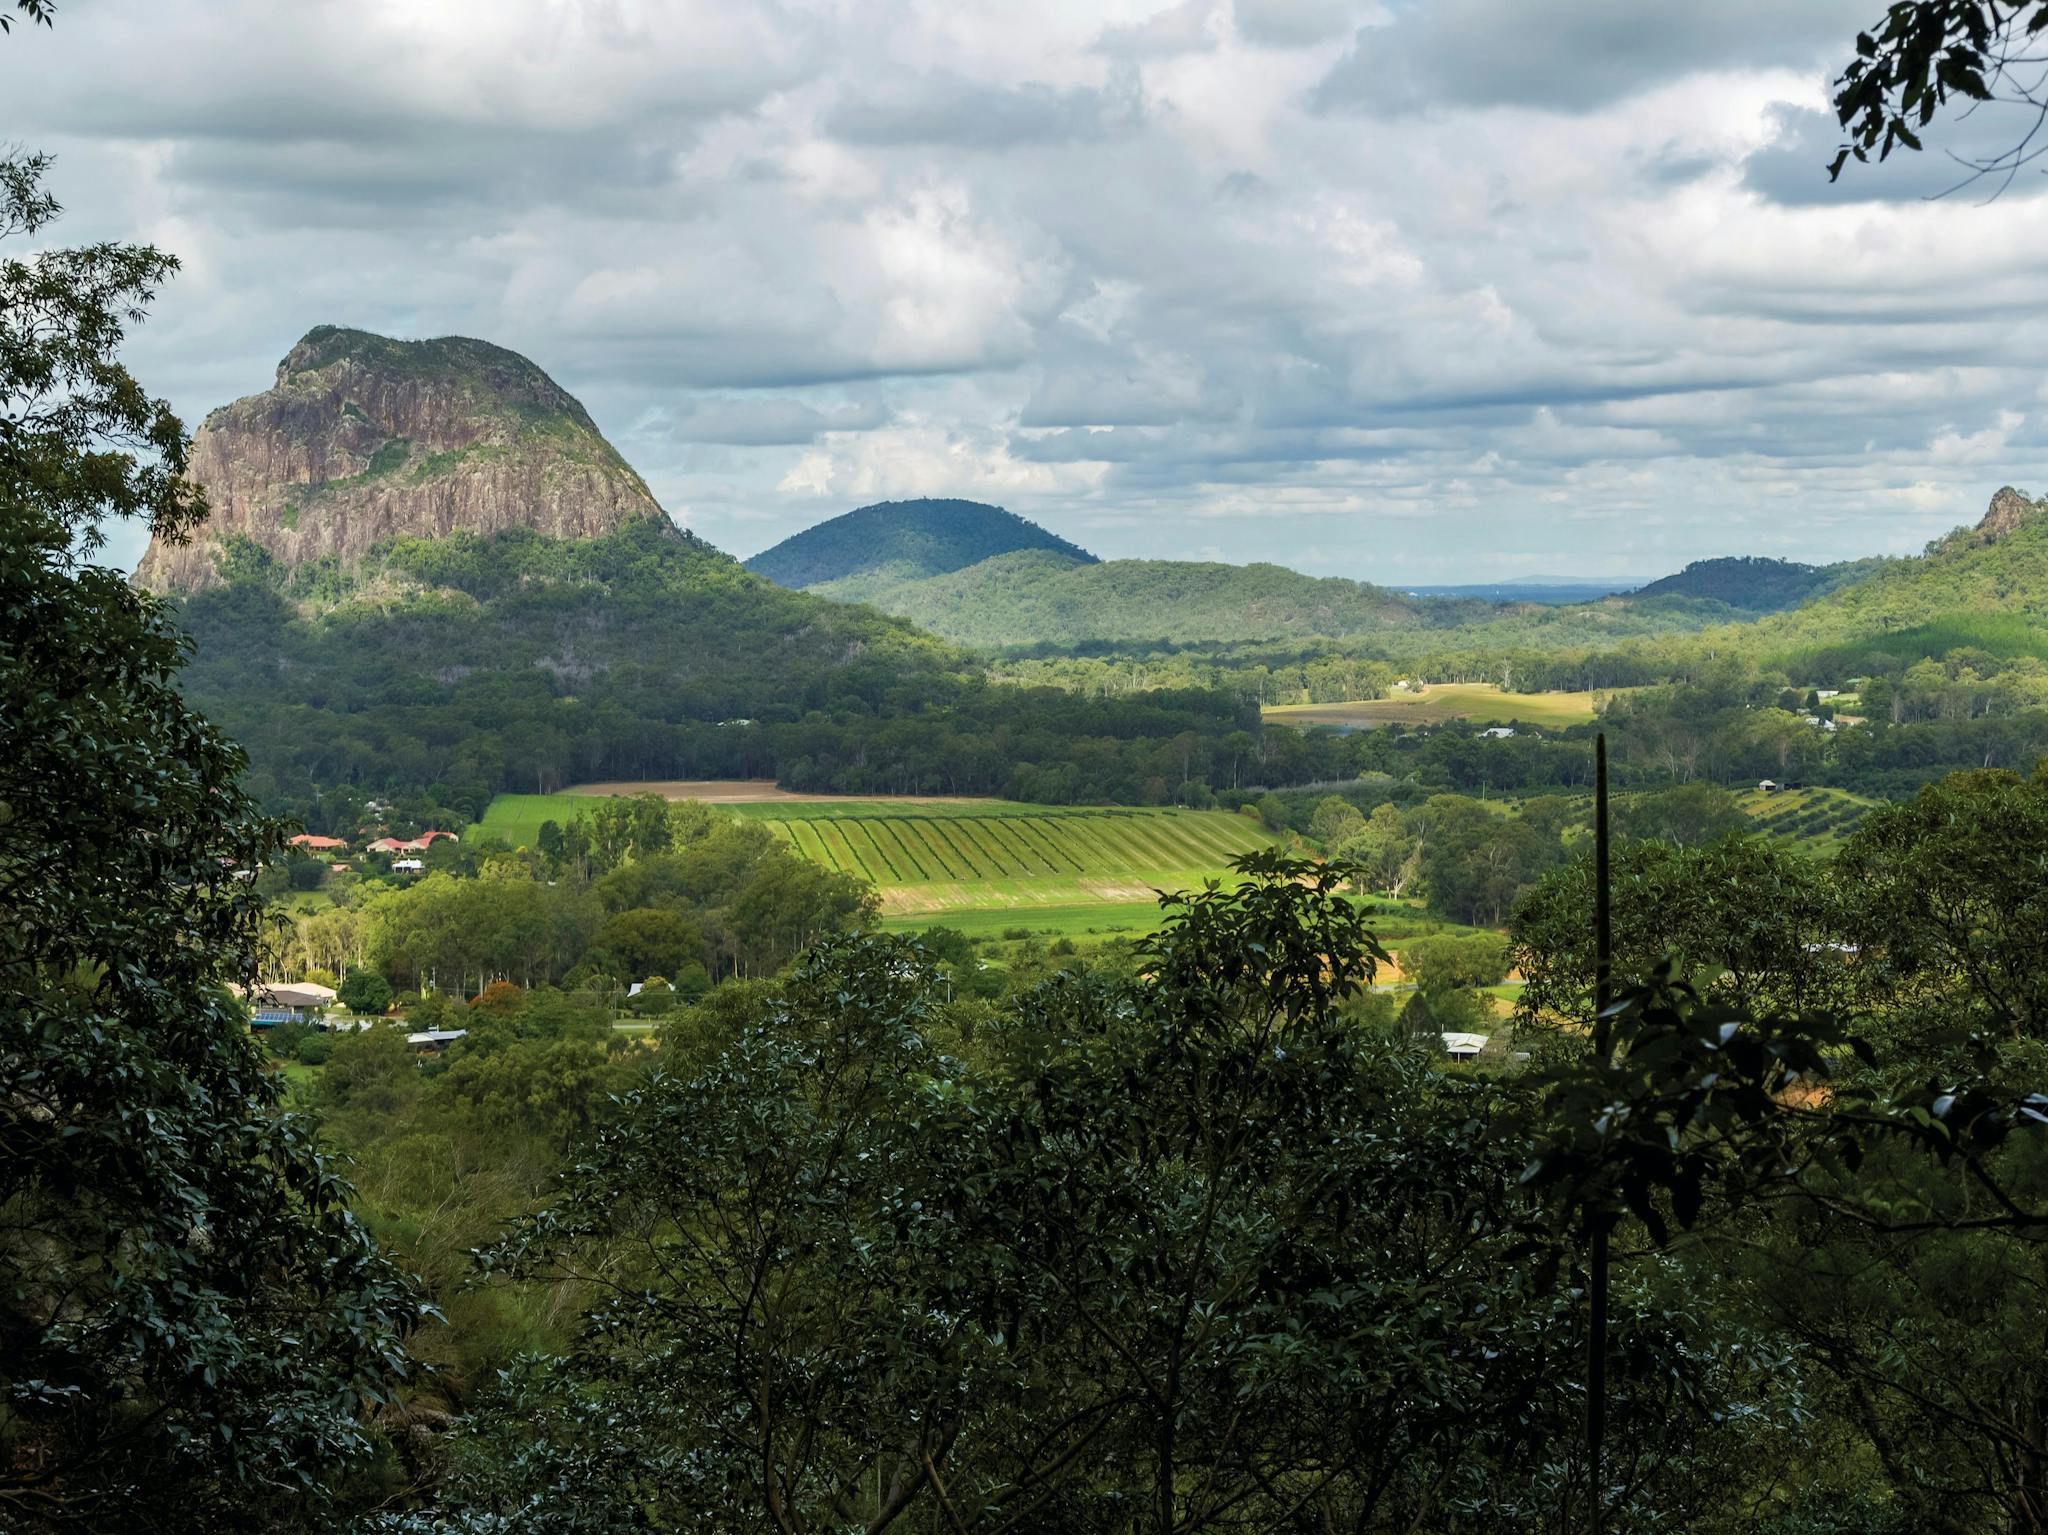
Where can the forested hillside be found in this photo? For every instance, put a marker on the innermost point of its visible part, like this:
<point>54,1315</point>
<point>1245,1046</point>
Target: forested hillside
<point>1984,586</point>
<point>518,662</point>
<point>1029,598</point>
<point>1756,584</point>
<point>895,541</point>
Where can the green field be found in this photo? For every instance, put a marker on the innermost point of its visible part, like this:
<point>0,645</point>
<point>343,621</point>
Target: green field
<point>1071,866</point>
<point>1481,702</point>
<point>928,859</point>
<point>1091,923</point>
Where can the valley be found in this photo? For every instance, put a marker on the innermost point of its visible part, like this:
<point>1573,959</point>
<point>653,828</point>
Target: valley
<point>663,967</point>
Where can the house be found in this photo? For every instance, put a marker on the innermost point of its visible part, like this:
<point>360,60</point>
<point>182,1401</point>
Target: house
<point>1462,1047</point>
<point>1768,786</point>
<point>417,844</point>
<point>407,866</point>
<point>434,1040</point>
<point>1824,694</point>
<point>1498,732</point>
<point>313,844</point>
<point>298,1002</point>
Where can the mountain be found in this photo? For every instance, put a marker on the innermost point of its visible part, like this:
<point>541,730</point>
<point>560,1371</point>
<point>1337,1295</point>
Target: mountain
<point>428,575</point>
<point>363,439</point>
<point>1985,585</point>
<point>1754,584</point>
<point>1034,597</point>
<point>896,541</point>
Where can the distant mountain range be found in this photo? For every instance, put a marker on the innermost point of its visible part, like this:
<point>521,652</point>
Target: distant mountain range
<point>425,565</point>
<point>984,577</point>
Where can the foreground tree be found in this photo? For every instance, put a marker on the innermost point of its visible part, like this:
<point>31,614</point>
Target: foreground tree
<point>1925,55</point>
<point>1179,1251</point>
<point>190,1320</point>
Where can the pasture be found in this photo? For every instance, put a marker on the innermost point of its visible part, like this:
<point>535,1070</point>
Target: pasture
<point>1481,702</point>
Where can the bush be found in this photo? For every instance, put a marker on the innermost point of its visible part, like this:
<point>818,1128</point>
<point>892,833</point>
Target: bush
<point>314,1049</point>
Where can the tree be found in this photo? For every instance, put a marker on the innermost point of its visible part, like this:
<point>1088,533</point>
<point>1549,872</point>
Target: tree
<point>1687,816</point>
<point>365,991</point>
<point>650,940</point>
<point>1925,52</point>
<point>1947,899</point>
<point>1768,919</point>
<point>1180,1250</point>
<point>193,1319</point>
<point>1334,820</point>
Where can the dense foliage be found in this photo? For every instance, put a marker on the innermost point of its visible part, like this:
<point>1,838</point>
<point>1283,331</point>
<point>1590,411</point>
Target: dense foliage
<point>1754,583</point>
<point>193,1320</point>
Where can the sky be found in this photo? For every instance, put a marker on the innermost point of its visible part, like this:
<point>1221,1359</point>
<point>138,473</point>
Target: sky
<point>1460,290</point>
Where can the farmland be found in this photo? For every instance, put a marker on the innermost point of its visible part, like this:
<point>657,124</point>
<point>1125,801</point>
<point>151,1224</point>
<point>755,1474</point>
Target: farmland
<point>997,857</point>
<point>1481,702</point>
<point>1817,819</point>
<point>1093,865</point>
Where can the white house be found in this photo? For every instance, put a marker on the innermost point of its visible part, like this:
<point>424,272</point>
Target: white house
<point>407,866</point>
<point>1498,732</point>
<point>1462,1047</point>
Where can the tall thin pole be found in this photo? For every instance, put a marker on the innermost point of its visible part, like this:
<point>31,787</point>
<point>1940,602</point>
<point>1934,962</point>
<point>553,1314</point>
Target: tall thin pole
<point>1596,1296</point>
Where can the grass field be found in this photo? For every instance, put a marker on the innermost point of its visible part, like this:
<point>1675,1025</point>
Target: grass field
<point>1478,701</point>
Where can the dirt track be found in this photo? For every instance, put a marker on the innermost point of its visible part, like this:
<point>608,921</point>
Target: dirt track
<point>750,791</point>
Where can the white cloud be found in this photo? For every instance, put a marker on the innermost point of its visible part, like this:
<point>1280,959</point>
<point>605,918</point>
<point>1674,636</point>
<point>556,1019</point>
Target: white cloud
<point>1425,291</point>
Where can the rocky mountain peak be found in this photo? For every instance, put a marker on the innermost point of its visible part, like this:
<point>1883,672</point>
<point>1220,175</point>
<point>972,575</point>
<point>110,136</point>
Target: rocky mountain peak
<point>364,438</point>
<point>2009,508</point>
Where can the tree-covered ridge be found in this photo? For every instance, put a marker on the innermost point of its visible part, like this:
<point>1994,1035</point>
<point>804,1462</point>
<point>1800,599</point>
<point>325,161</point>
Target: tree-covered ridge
<point>518,662</point>
<point>895,541</point>
<point>1030,598</point>
<point>1030,601</point>
<point>1993,575</point>
<point>1757,584</point>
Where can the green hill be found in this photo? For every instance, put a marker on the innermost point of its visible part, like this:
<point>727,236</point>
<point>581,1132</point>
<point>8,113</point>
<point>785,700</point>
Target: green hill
<point>1754,584</point>
<point>1984,586</point>
<point>1033,598</point>
<point>895,541</point>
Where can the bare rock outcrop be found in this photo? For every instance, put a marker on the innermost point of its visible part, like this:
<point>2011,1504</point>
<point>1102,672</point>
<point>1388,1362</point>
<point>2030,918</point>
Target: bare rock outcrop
<point>2009,508</point>
<point>364,438</point>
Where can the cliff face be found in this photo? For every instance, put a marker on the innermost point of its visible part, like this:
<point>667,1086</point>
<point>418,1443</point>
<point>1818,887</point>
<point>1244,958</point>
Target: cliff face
<point>363,438</point>
<point>2009,508</point>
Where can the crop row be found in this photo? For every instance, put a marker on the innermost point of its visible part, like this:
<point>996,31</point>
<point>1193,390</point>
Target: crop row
<point>902,850</point>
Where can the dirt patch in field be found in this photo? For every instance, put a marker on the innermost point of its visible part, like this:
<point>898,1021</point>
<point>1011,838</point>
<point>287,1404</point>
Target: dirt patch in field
<point>752,791</point>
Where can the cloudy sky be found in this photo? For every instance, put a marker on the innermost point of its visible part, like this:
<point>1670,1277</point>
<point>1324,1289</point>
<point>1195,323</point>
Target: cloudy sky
<point>1438,291</point>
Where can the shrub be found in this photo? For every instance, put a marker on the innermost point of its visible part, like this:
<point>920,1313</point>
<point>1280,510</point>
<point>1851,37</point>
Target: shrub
<point>314,1049</point>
